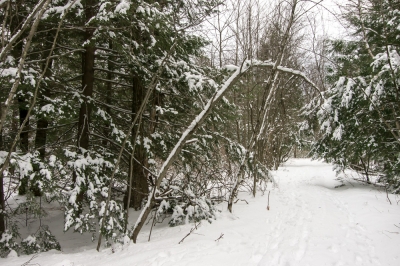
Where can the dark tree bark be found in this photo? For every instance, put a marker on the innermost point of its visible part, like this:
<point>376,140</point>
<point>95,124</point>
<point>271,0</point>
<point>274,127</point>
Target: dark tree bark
<point>23,139</point>
<point>139,184</point>
<point>108,94</point>
<point>24,136</point>
<point>43,123</point>
<point>2,207</point>
<point>41,137</point>
<point>2,196</point>
<point>1,131</point>
<point>41,128</point>
<point>85,110</point>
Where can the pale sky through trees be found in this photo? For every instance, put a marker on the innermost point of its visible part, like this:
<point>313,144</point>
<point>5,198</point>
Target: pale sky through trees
<point>318,17</point>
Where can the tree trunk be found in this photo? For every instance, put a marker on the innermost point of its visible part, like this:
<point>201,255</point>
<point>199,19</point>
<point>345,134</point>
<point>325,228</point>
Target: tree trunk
<point>139,187</point>
<point>41,129</point>
<point>23,140</point>
<point>43,123</point>
<point>108,94</point>
<point>1,131</point>
<point>41,137</point>
<point>2,207</point>
<point>24,136</point>
<point>2,197</point>
<point>85,110</point>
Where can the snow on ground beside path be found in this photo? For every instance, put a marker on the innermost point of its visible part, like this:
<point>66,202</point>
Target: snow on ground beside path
<point>310,222</point>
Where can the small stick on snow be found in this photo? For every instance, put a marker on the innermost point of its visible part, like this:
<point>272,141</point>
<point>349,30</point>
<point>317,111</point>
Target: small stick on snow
<point>387,196</point>
<point>268,200</point>
<point>241,200</point>
<point>220,237</point>
<point>191,231</point>
<point>29,261</point>
<point>152,225</point>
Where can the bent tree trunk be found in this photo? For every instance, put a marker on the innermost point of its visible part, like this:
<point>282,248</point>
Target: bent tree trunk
<point>199,119</point>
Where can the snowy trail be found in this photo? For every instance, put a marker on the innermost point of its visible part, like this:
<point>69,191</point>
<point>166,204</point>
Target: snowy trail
<point>310,222</point>
<point>314,226</point>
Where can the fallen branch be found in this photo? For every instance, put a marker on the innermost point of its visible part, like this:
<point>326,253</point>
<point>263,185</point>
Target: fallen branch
<point>29,261</point>
<point>152,224</point>
<point>220,237</point>
<point>387,196</point>
<point>241,200</point>
<point>191,231</point>
<point>268,200</point>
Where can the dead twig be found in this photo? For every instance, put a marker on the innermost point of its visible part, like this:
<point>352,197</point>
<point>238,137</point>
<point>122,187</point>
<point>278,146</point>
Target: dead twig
<point>191,231</point>
<point>268,200</point>
<point>241,200</point>
<point>152,225</point>
<point>29,261</point>
<point>220,237</point>
<point>387,196</point>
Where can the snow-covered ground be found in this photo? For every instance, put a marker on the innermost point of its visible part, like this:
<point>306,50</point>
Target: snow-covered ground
<point>311,221</point>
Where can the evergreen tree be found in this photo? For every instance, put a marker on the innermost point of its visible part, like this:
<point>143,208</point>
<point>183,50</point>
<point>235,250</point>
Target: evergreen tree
<point>360,116</point>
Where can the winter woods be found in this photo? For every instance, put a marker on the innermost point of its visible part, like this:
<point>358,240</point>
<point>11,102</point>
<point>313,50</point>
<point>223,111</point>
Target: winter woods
<point>111,107</point>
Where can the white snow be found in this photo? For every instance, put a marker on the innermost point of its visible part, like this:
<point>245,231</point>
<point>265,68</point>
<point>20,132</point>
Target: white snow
<point>312,221</point>
<point>122,7</point>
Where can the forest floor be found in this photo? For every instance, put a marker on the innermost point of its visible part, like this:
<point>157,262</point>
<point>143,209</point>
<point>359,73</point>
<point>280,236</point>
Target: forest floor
<point>314,219</point>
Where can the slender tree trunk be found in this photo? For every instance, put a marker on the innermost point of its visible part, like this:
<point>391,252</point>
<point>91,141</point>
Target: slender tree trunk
<point>1,131</point>
<point>110,76</point>
<point>139,187</point>
<point>23,103</point>
<point>24,136</point>
<point>23,140</point>
<point>2,207</point>
<point>43,123</point>
<point>2,196</point>
<point>85,110</point>
<point>41,137</point>
<point>41,126</point>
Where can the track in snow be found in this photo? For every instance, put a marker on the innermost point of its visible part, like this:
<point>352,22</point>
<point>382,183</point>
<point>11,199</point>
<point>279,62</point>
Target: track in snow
<point>310,222</point>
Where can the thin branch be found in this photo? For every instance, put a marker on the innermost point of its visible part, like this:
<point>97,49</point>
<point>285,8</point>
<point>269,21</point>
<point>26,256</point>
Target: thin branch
<point>191,231</point>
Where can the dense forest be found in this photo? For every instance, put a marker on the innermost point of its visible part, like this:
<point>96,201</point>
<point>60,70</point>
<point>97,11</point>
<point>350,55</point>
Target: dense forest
<point>168,107</point>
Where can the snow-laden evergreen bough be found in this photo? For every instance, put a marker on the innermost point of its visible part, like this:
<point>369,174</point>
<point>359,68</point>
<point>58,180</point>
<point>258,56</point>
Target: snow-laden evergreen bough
<point>359,120</point>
